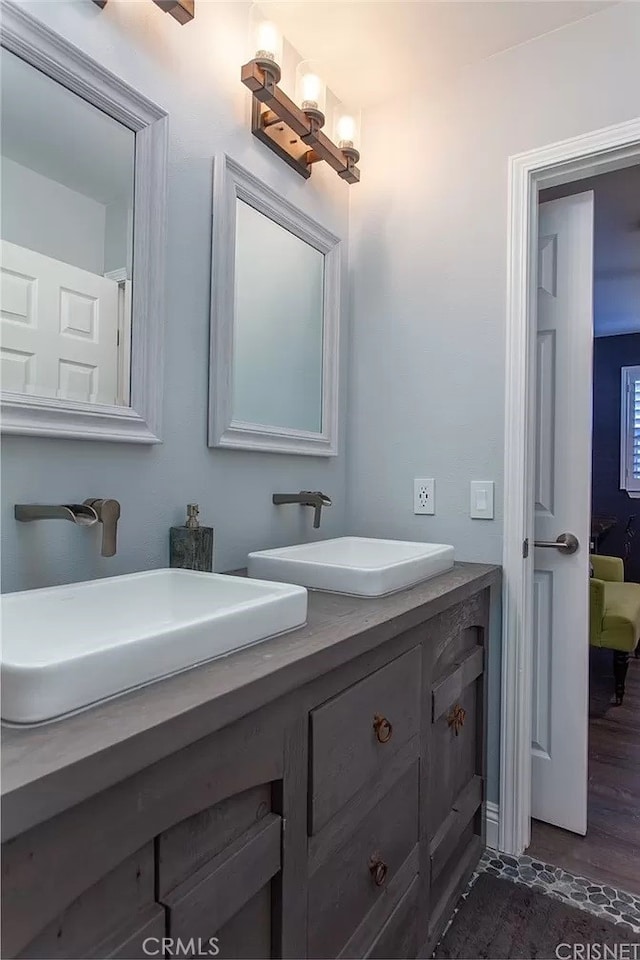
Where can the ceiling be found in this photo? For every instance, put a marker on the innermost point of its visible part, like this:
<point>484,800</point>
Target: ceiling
<point>59,135</point>
<point>372,51</point>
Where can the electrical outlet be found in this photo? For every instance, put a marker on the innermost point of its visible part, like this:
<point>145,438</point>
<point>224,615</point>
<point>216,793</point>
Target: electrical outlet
<point>424,496</point>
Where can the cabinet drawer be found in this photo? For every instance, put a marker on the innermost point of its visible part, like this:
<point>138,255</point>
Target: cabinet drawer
<point>355,735</point>
<point>350,883</point>
<point>398,939</point>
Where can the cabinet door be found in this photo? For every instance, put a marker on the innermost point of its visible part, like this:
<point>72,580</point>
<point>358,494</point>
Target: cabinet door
<point>215,873</point>
<point>189,845</point>
<point>456,733</point>
<point>248,935</point>
<point>457,737</point>
<point>112,918</point>
<point>179,849</point>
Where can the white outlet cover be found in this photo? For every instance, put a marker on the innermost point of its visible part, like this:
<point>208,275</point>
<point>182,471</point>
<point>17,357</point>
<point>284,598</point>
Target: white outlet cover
<point>424,496</point>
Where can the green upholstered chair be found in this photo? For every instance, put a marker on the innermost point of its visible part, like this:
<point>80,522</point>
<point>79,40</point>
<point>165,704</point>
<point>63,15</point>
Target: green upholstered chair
<point>615,615</point>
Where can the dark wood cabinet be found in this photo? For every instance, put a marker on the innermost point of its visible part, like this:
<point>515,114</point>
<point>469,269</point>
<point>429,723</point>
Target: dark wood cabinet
<point>340,820</point>
<point>457,750</point>
<point>215,873</point>
<point>113,915</point>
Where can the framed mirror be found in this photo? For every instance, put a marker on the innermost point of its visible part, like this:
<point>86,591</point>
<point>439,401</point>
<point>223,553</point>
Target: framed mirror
<point>82,237</point>
<point>274,321</point>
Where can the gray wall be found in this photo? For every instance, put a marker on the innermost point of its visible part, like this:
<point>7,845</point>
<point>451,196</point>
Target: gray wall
<point>43,215</point>
<point>193,73</point>
<point>428,246</point>
<point>428,284</point>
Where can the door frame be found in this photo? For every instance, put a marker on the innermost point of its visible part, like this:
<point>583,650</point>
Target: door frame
<point>588,155</point>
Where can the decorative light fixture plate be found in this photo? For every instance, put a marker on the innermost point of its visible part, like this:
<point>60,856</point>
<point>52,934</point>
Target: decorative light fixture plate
<point>287,130</point>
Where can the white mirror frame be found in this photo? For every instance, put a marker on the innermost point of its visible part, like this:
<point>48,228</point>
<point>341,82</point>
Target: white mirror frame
<point>47,51</point>
<point>232,182</point>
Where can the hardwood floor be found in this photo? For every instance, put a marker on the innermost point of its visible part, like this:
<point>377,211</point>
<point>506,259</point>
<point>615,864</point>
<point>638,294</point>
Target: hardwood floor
<point>610,852</point>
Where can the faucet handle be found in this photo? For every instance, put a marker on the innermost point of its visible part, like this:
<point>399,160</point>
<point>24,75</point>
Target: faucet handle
<point>108,512</point>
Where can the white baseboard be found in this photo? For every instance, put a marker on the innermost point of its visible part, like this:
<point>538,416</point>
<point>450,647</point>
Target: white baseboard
<point>492,813</point>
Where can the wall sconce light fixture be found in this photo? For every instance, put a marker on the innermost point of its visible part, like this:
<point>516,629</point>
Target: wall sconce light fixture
<point>347,132</point>
<point>181,10</point>
<point>293,129</point>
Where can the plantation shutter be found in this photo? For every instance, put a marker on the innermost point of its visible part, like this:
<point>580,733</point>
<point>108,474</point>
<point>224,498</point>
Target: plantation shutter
<point>630,430</point>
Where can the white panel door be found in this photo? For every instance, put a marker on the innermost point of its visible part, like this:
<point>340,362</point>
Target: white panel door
<point>59,328</point>
<point>562,506</point>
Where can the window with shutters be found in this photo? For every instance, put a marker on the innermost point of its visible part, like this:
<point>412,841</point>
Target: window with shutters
<point>630,431</point>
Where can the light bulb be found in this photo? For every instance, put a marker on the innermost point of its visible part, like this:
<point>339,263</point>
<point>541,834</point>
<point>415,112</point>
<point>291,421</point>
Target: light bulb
<point>268,41</point>
<point>345,131</point>
<point>311,89</point>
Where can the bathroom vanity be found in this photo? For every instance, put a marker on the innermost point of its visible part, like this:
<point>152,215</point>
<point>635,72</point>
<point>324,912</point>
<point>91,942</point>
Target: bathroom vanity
<point>316,795</point>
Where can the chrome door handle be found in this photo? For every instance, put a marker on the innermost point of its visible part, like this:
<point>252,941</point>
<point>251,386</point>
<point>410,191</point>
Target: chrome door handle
<point>566,543</point>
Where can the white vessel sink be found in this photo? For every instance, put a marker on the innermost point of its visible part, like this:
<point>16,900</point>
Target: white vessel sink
<point>66,647</point>
<point>354,565</point>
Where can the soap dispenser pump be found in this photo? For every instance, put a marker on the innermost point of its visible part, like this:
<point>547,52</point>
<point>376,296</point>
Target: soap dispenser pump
<point>191,546</point>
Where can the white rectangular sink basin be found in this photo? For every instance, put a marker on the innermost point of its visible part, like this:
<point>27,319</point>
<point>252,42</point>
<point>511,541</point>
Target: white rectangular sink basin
<point>354,565</point>
<point>66,647</point>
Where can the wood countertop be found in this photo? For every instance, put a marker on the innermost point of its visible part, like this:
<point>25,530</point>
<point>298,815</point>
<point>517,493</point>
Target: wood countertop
<point>50,767</point>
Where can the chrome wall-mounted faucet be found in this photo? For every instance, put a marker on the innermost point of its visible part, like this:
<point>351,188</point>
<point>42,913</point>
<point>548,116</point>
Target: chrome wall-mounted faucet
<point>75,512</point>
<point>307,498</point>
<point>106,512</point>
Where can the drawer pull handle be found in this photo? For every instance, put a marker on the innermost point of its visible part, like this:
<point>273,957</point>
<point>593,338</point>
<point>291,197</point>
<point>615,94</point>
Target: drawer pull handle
<point>456,718</point>
<point>378,869</point>
<point>383,728</point>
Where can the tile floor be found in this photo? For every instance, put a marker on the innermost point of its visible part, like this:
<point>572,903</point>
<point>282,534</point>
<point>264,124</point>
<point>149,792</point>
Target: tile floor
<point>618,906</point>
<point>599,899</point>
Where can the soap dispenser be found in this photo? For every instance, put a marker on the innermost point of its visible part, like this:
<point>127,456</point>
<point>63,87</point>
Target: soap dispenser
<point>191,546</point>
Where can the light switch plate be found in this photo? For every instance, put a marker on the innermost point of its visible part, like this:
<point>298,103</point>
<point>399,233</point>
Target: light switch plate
<point>424,496</point>
<point>481,505</point>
